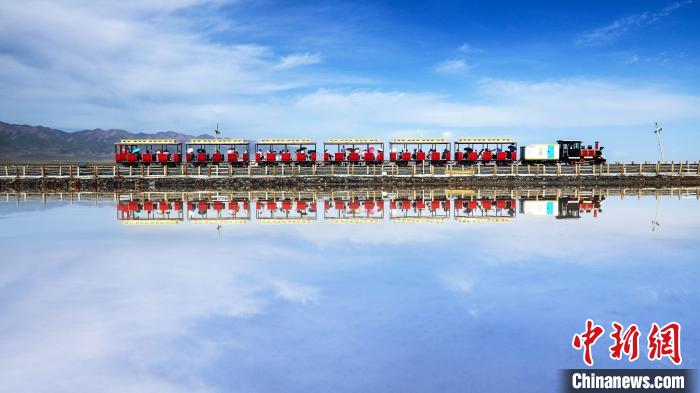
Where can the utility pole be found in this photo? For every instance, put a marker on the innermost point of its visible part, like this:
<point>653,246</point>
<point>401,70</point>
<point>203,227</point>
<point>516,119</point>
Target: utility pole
<point>217,132</point>
<point>657,131</point>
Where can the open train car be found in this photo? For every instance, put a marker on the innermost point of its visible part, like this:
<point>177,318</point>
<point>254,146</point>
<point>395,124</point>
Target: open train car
<point>502,151</point>
<point>420,150</point>
<point>342,151</point>
<point>285,151</point>
<point>148,151</point>
<point>218,151</point>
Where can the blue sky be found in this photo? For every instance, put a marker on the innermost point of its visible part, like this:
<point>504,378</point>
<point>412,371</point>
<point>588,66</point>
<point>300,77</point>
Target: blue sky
<point>588,70</point>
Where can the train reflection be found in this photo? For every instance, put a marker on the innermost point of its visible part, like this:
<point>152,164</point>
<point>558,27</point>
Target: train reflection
<point>218,210</point>
<point>412,208</point>
<point>500,209</point>
<point>351,207</point>
<point>289,210</point>
<point>161,210</point>
<point>565,207</point>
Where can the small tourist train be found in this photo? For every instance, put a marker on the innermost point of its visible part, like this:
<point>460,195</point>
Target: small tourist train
<point>354,151</point>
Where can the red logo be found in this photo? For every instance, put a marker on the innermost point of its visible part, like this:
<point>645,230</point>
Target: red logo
<point>662,342</point>
<point>665,342</point>
<point>586,340</point>
<point>625,343</point>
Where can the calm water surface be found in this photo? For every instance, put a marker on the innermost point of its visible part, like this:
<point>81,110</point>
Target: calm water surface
<point>91,303</point>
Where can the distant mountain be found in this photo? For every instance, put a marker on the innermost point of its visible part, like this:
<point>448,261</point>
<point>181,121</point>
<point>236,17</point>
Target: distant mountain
<point>37,143</point>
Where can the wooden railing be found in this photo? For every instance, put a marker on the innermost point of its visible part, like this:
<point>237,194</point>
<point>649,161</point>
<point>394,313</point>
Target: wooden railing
<point>452,170</point>
<point>529,193</point>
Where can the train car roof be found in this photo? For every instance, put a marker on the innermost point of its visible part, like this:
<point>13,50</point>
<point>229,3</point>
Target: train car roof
<point>159,221</point>
<point>418,220</point>
<point>147,142</point>
<point>353,220</point>
<point>419,140</point>
<point>218,142</point>
<point>483,219</point>
<point>195,220</point>
<point>486,140</point>
<point>284,141</point>
<point>337,141</point>
<point>283,221</point>
<point>459,192</point>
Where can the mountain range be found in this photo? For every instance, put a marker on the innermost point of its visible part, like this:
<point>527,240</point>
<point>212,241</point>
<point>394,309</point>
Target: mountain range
<point>25,143</point>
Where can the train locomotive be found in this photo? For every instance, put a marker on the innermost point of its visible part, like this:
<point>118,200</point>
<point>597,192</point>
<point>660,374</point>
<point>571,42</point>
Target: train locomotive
<point>563,151</point>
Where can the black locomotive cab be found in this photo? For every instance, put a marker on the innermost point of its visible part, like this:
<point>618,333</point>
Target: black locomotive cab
<point>575,151</point>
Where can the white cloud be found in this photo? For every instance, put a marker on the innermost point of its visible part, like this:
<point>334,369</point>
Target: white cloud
<point>457,282</point>
<point>621,26</point>
<point>458,64</point>
<point>514,105</point>
<point>468,48</point>
<point>296,293</point>
<point>465,48</point>
<point>127,54</point>
<point>568,103</point>
<point>660,59</point>
<point>298,60</point>
<point>454,66</point>
<point>85,333</point>
<point>109,60</point>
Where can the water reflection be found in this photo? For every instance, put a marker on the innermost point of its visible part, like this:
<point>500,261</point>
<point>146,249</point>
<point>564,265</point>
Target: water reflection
<point>409,206</point>
<point>90,303</point>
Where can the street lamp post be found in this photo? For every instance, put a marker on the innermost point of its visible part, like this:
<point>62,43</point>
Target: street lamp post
<point>657,131</point>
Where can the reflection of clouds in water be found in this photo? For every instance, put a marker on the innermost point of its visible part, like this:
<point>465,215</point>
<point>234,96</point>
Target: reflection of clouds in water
<point>126,321</point>
<point>323,234</point>
<point>295,292</point>
<point>605,239</point>
<point>457,282</point>
<point>143,315</point>
<point>466,284</point>
<point>609,238</point>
